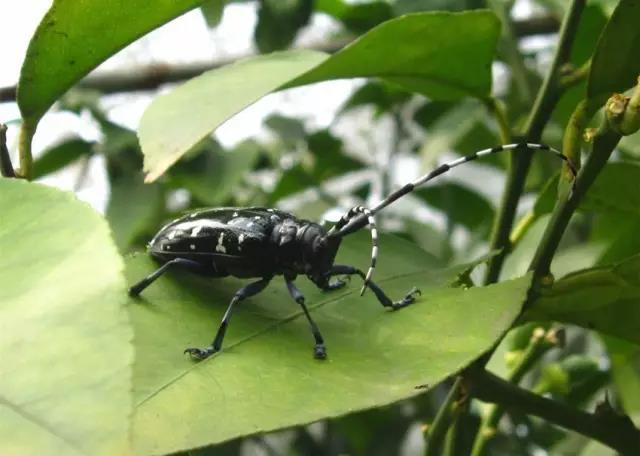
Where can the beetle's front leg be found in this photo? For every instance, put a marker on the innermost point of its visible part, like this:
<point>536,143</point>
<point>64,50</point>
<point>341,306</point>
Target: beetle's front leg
<point>409,298</point>
<point>319,351</point>
<point>244,292</point>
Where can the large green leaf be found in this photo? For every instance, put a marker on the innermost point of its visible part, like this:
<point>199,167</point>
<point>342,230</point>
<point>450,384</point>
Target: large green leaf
<point>444,56</point>
<point>76,36</point>
<point>606,299</point>
<point>266,378</point>
<point>65,339</point>
<point>615,66</point>
<point>60,155</point>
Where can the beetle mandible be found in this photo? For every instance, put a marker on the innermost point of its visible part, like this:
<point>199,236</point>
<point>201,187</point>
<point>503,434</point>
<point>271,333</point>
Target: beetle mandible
<point>261,243</point>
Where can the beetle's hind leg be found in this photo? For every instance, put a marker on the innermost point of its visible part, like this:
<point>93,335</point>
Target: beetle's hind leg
<point>136,289</point>
<point>319,351</point>
<point>409,298</point>
<point>244,292</point>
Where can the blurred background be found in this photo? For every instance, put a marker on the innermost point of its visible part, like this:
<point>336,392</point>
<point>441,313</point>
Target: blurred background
<point>317,151</point>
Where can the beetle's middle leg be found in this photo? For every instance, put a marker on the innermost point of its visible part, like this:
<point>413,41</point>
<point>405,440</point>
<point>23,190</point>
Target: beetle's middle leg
<point>319,351</point>
<point>244,292</point>
<point>338,269</point>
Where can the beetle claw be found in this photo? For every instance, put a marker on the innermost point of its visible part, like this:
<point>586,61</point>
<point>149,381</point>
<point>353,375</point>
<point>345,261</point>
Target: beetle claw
<point>198,354</point>
<point>409,298</point>
<point>320,352</point>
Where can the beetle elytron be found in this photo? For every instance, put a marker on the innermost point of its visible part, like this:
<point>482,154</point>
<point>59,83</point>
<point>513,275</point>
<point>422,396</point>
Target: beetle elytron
<point>262,243</point>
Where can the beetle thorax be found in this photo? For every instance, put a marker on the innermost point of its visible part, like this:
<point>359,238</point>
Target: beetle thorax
<point>303,247</point>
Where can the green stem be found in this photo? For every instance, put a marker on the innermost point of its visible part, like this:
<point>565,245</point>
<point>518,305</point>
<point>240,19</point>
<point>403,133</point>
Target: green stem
<point>617,432</point>
<point>520,161</point>
<point>27,131</point>
<point>604,141</point>
<point>436,433</point>
<point>538,346</point>
<point>6,168</point>
<point>498,110</point>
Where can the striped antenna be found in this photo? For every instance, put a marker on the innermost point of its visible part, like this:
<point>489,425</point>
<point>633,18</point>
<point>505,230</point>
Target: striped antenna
<point>358,217</point>
<point>351,213</point>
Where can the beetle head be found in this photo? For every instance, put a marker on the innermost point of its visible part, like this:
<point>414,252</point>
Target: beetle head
<point>319,251</point>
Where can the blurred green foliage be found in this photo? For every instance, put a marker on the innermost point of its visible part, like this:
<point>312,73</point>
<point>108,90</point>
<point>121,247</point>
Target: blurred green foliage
<point>309,170</point>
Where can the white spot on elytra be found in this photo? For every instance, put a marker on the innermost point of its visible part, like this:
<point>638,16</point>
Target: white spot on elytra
<point>220,247</point>
<point>196,230</point>
<point>249,225</point>
<point>269,210</point>
<point>235,214</point>
<point>257,217</point>
<point>241,239</point>
<point>172,234</point>
<point>192,246</point>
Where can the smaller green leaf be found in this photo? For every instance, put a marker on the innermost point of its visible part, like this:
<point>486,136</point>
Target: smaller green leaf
<point>61,155</point>
<point>134,208</point>
<point>288,129</point>
<point>212,11</point>
<point>213,173</point>
<point>326,159</point>
<point>606,299</point>
<point>576,378</point>
<point>383,96</point>
<point>279,22</point>
<point>177,121</point>
<point>615,189</point>
<point>413,6</point>
<point>614,67</point>
<point>447,129</point>
<point>357,17</point>
<point>625,368</point>
<point>461,206</point>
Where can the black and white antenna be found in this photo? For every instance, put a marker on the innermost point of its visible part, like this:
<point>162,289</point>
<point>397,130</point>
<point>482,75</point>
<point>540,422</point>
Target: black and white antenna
<point>357,217</point>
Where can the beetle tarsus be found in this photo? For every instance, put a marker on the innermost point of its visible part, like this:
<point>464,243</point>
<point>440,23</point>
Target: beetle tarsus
<point>408,299</point>
<point>198,354</point>
<point>339,283</point>
<point>320,351</point>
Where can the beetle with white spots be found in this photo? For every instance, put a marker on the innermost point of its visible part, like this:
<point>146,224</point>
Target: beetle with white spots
<point>262,243</point>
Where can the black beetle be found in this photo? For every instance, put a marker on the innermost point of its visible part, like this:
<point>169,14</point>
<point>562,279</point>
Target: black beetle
<point>262,243</point>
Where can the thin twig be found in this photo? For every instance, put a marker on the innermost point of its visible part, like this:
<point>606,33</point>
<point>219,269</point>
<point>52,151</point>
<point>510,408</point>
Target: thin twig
<point>6,168</point>
<point>615,431</point>
<point>437,431</point>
